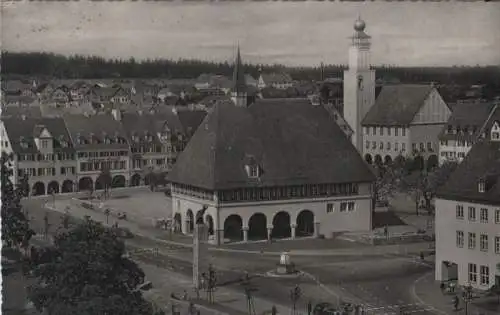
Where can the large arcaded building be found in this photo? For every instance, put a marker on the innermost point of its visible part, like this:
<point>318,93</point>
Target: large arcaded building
<point>273,168</point>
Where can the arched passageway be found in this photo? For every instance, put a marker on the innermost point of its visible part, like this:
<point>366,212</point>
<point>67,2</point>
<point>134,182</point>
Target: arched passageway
<point>190,221</point>
<point>233,228</point>
<point>102,182</point>
<point>257,227</point>
<point>210,223</point>
<point>368,158</point>
<point>38,189</point>
<point>85,183</point>
<point>118,181</point>
<point>53,187</point>
<point>418,163</point>
<point>432,162</point>
<point>67,186</point>
<point>177,222</point>
<point>305,223</point>
<point>135,180</point>
<point>149,179</point>
<point>387,160</point>
<point>378,159</point>
<point>281,225</point>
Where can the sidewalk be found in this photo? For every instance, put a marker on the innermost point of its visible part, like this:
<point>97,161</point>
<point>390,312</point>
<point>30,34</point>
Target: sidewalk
<point>426,291</point>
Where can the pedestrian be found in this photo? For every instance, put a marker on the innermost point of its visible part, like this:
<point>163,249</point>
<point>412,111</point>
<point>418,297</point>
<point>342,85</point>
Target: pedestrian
<point>185,295</point>
<point>274,311</point>
<point>386,231</point>
<point>442,287</point>
<point>455,302</point>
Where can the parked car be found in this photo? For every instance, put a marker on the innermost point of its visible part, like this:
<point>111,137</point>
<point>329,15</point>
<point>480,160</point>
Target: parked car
<point>325,309</point>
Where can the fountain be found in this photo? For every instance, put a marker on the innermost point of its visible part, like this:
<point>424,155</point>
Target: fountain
<point>285,268</point>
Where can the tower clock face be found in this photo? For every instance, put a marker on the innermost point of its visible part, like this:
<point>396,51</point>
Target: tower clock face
<point>360,82</point>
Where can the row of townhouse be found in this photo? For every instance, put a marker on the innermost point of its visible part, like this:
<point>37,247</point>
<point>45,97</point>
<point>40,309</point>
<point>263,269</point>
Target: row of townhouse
<point>468,124</point>
<point>468,215</point>
<point>66,154</point>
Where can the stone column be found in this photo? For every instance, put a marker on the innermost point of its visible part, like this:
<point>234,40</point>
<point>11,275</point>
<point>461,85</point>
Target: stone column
<point>245,234</point>
<point>186,227</point>
<point>269,231</point>
<point>219,235</point>
<point>293,227</point>
<point>316,228</point>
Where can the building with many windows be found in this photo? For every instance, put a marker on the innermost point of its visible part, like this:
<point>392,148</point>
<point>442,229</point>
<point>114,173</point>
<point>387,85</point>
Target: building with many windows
<point>405,120</point>
<point>44,152</point>
<point>468,217</point>
<point>100,144</point>
<point>463,129</point>
<point>270,169</point>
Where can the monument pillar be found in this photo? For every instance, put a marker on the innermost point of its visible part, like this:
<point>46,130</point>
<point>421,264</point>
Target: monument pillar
<point>220,237</point>
<point>293,230</point>
<point>186,227</point>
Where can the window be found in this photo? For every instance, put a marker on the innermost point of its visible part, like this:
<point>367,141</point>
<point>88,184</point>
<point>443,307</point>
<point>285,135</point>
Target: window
<point>421,146</point>
<point>460,212</point>
<point>472,240</point>
<point>429,146</point>
<point>497,216</point>
<point>388,131</point>
<point>388,146</point>
<point>367,144</point>
<point>472,214</point>
<point>381,131</point>
<point>414,146</point>
<point>347,206</point>
<point>381,145</point>
<point>367,130</point>
<point>403,147</point>
<point>374,131</point>
<point>497,244</point>
<point>254,172</point>
<point>483,215</point>
<point>460,239</point>
<point>472,273</point>
<point>374,145</point>
<point>45,143</point>
<point>483,242</point>
<point>329,208</point>
<point>403,132</point>
<point>396,146</point>
<point>396,131</point>
<point>485,275</point>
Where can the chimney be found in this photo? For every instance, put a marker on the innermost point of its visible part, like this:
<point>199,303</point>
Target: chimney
<point>117,115</point>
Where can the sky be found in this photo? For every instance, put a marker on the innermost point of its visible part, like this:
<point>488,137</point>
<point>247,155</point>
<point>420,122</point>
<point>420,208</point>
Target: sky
<point>300,34</point>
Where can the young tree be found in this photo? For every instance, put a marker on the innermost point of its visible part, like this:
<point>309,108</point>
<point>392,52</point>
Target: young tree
<point>106,181</point>
<point>86,272</point>
<point>16,231</point>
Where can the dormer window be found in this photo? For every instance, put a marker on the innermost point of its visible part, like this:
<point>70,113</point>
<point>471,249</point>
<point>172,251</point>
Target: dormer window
<point>495,131</point>
<point>481,186</point>
<point>253,171</point>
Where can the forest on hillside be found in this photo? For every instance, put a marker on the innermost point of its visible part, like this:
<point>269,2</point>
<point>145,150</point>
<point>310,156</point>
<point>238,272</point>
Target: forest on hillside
<point>40,64</point>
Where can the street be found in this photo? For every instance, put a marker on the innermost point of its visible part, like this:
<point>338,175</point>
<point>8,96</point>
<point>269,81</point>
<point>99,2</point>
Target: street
<point>380,282</point>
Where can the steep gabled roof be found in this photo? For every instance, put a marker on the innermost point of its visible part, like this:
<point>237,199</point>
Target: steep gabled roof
<point>467,115</point>
<point>270,78</point>
<point>97,127</point>
<point>24,130</point>
<point>397,105</point>
<point>292,141</point>
<point>482,162</point>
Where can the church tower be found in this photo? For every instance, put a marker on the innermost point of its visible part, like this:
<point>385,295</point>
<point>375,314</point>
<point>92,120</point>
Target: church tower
<point>239,89</point>
<point>359,83</point>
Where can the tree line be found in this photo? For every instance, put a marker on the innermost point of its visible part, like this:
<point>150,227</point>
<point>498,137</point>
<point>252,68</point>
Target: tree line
<point>42,64</point>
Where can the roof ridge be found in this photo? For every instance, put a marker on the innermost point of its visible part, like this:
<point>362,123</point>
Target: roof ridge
<point>492,112</point>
